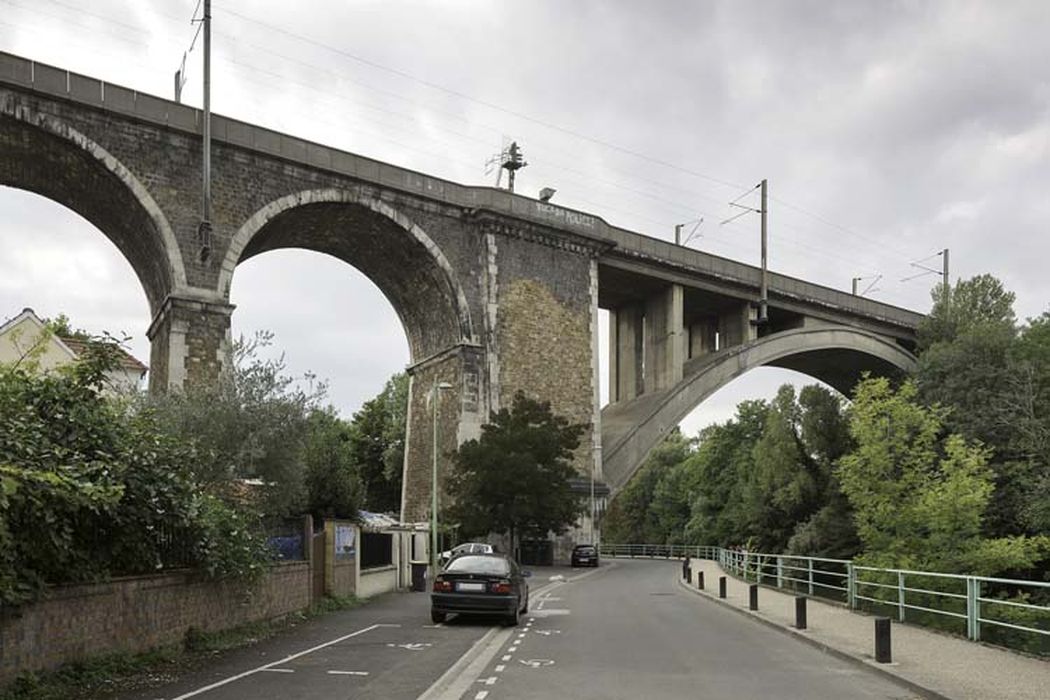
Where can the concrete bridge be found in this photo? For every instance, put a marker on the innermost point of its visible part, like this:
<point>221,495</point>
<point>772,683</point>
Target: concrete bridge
<point>497,292</point>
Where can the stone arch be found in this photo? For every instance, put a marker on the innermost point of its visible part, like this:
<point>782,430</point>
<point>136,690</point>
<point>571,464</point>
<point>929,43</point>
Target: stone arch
<point>42,154</point>
<point>836,355</point>
<point>380,241</point>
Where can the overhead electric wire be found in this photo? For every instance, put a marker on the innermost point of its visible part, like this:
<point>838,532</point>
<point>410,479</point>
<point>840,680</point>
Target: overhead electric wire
<point>485,103</point>
<point>475,124</point>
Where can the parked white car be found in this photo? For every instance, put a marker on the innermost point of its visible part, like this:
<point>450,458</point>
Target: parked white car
<point>465,548</point>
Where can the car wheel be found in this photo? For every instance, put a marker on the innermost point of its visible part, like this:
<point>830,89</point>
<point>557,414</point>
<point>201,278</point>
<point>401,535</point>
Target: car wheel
<point>437,617</point>
<point>525,610</point>
<point>514,617</point>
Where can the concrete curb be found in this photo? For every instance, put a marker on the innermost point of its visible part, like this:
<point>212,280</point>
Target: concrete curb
<point>817,644</point>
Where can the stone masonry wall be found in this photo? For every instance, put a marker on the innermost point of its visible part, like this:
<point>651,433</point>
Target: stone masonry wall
<point>544,332</point>
<point>138,613</point>
<point>419,437</point>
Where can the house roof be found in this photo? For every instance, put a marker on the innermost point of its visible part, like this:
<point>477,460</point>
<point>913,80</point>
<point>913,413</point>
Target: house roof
<point>126,359</point>
<point>73,346</point>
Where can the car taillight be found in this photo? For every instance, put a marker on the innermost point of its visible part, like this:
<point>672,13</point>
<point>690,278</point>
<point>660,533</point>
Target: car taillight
<point>442,586</point>
<point>500,587</point>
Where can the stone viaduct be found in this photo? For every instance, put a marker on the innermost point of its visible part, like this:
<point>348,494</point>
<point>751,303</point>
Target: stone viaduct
<point>497,292</point>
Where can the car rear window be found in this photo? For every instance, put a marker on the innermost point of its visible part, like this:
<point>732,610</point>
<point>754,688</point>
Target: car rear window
<point>585,550</point>
<point>480,565</point>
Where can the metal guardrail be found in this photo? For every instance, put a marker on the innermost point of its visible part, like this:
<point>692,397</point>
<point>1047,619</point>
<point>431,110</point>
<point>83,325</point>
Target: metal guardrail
<point>924,597</point>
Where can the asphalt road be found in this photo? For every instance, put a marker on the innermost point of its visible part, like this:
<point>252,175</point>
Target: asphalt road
<point>387,648</point>
<point>626,630</point>
<point>632,632</point>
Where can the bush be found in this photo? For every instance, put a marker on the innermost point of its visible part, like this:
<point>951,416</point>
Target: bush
<point>90,489</point>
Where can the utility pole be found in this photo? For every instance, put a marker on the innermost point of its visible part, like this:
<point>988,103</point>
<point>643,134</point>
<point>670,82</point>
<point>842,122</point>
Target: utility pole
<point>764,295</point>
<point>855,280</point>
<point>678,234</point>
<point>204,230</point>
<point>513,162</point>
<point>945,278</point>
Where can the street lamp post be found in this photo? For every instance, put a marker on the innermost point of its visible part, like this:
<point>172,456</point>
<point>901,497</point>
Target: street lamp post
<point>434,393</point>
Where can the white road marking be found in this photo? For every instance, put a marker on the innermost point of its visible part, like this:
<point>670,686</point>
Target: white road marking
<point>491,680</point>
<point>348,673</point>
<point>536,663</point>
<point>279,670</point>
<point>506,657</point>
<point>499,668</point>
<point>521,636</point>
<point>552,611</point>
<point>481,695</point>
<point>413,646</point>
<point>286,659</point>
<point>461,675</point>
<point>547,633</point>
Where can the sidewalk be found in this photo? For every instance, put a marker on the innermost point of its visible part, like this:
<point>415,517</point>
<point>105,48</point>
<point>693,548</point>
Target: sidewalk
<point>939,664</point>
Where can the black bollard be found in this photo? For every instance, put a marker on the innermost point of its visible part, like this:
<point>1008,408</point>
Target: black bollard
<point>721,586</point>
<point>700,580</point>
<point>882,640</point>
<point>688,575</point>
<point>800,612</point>
<point>752,602</point>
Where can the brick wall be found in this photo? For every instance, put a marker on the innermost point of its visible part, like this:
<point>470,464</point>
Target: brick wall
<point>138,613</point>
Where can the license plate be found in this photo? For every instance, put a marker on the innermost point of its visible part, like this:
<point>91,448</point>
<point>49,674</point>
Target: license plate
<point>470,587</point>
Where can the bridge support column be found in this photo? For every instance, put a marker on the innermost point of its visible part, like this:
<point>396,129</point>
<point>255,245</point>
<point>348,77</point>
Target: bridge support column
<point>626,380</point>
<point>736,326</point>
<point>459,417</point>
<point>702,335</point>
<point>190,343</point>
<point>664,339</point>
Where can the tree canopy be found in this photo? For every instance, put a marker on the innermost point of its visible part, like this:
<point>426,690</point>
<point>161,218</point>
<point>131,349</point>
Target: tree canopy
<point>515,478</point>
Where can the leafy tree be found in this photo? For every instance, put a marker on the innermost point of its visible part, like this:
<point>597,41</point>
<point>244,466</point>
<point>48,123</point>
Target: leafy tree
<point>333,484</point>
<point>377,445</point>
<point>985,371</point>
<point>783,486</point>
<point>250,425</point>
<point>635,514</point>
<point>918,497</point>
<point>89,488</point>
<point>515,478</point>
<point>978,302</point>
<point>62,327</point>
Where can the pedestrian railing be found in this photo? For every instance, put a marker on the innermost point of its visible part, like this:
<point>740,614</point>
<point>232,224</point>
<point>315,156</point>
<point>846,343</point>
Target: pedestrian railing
<point>1009,612</point>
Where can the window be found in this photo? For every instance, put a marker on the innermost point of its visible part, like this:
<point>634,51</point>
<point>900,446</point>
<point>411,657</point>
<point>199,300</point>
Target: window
<point>377,549</point>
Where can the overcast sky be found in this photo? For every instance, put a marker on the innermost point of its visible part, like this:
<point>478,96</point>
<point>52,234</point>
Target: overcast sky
<point>887,130</point>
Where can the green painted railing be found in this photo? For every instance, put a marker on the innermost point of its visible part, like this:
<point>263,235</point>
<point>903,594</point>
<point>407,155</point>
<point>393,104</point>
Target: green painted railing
<point>1010,612</point>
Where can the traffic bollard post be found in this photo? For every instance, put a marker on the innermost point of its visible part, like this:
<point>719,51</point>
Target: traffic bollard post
<point>883,654</point>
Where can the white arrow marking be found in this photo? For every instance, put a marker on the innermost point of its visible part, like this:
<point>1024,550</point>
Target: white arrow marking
<point>414,646</point>
<point>536,663</point>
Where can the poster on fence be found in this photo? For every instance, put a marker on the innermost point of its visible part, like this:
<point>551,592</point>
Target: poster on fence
<point>344,541</point>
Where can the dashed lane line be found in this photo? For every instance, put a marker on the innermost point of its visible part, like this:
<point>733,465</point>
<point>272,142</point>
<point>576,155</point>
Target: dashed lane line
<point>454,682</point>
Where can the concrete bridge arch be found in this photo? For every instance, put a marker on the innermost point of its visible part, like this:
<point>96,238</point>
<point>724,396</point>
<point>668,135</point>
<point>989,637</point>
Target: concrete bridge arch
<point>836,355</point>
